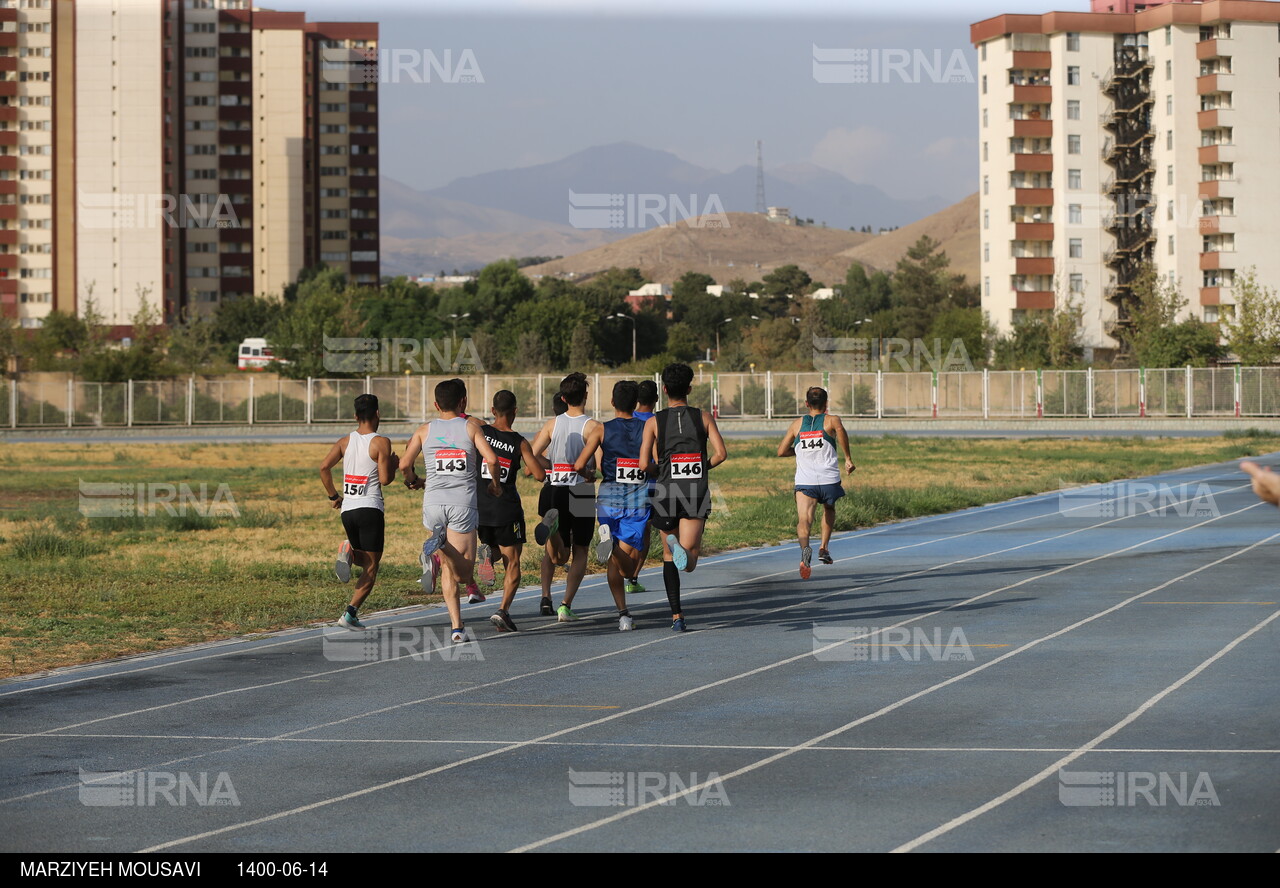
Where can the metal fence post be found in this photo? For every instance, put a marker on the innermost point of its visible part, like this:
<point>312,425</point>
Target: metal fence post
<point>935,394</point>
<point>13,403</point>
<point>1039,394</point>
<point>1237,381</point>
<point>596,385</point>
<point>1187,377</point>
<point>250,410</point>
<point>488,398</point>
<point>191,399</point>
<point>986,393</point>
<point>1142,391</point>
<point>768,394</point>
<point>310,397</point>
<point>537,396</point>
<point>71,403</point>
<point>128,404</point>
<point>1088,395</point>
<point>879,394</point>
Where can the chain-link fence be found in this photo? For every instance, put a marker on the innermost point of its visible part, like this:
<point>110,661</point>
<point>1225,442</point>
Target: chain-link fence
<point>1017,394</point>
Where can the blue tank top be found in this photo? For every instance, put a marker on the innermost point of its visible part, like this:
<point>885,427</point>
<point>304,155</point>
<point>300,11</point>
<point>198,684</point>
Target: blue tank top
<point>642,415</point>
<point>622,439</point>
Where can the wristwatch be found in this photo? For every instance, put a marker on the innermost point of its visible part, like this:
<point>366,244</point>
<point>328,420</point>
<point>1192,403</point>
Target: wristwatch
<point>335,497</point>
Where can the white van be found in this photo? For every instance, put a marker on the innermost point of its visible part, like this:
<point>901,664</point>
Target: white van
<point>255,354</point>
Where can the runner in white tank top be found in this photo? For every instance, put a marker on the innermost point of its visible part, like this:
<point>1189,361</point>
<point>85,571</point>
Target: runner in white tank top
<point>812,440</point>
<point>368,464</point>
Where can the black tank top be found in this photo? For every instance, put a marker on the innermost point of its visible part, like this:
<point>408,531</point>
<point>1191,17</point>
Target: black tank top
<point>682,449</point>
<point>496,511</point>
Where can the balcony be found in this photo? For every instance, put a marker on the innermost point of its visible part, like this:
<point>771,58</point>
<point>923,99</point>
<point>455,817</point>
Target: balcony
<point>1035,266</point>
<point>363,203</point>
<point>363,181</point>
<point>1036,300</point>
<point>235,112</point>
<point>8,137</point>
<point>8,15</point>
<point>1215,261</point>
<point>1218,154</point>
<point>236,186</point>
<point>1033,197</point>
<point>8,40</point>
<point>1033,129</point>
<point>8,161</point>
<point>1216,118</point>
<point>1213,83</point>
<point>8,87</point>
<point>364,118</point>
<point>1033,95</point>
<point>8,63</point>
<point>1033,163</point>
<point>235,137</point>
<point>1032,61</point>
<point>1218,225</point>
<point>8,113</point>
<point>1217,188</point>
<point>235,161</point>
<point>1033,231</point>
<point>1207,49</point>
<point>8,236</point>
<point>1211,295</point>
<point>8,211</point>
<point>8,261</point>
<point>364,267</point>
<point>236,64</point>
<point>241,41</point>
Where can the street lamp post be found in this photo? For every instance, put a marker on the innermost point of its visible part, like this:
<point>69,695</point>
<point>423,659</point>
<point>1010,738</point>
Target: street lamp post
<point>453,327</point>
<point>718,326</point>
<point>626,317</point>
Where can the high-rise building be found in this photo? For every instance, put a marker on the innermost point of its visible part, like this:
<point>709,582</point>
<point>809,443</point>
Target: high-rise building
<point>178,153</point>
<point>1135,134</point>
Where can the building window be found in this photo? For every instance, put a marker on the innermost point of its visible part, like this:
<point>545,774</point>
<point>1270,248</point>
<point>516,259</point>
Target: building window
<point>984,84</point>
<point>1073,75</point>
<point>985,153</point>
<point>986,252</point>
<point>1168,140</point>
<point>1168,104</point>
<point>1073,144</point>
<point>1075,248</point>
<point>1168,69</point>
<point>986,219</point>
<point>986,184</point>
<point>1073,180</point>
<point>1171,245</point>
<point>1168,35</point>
<point>1076,283</point>
<point>984,117</point>
<point>986,287</point>
<point>1170,174</point>
<point>1075,214</point>
<point>1073,109</point>
<point>1170,211</point>
<point>1073,41</point>
<point>984,52</point>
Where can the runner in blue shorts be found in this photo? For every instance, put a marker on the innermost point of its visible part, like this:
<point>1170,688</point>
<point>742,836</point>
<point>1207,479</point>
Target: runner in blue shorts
<point>622,503</point>
<point>812,441</point>
<point>646,405</point>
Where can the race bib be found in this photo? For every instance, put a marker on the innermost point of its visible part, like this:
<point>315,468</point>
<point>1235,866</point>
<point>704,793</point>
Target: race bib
<point>628,472</point>
<point>354,485</point>
<point>810,441</point>
<point>504,470</point>
<point>451,462</point>
<point>563,475</point>
<point>686,465</point>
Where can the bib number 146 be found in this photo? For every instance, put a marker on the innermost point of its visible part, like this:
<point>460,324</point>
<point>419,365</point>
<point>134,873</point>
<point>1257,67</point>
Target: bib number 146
<point>686,465</point>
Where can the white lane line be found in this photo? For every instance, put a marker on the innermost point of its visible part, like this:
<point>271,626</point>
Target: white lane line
<point>314,675</point>
<point>607,744</point>
<point>1087,747</point>
<point>683,694</point>
<point>240,646</point>
<point>884,710</point>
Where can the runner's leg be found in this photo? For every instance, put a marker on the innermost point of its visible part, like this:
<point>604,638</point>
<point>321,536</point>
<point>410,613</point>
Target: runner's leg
<point>511,573</point>
<point>368,562</point>
<point>828,524</point>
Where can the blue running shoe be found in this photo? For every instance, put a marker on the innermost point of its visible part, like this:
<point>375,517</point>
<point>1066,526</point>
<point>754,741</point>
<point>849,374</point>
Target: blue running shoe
<point>679,557</point>
<point>677,625</point>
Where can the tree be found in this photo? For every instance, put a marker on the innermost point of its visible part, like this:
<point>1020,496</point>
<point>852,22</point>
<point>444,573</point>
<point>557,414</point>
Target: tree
<point>10,344</point>
<point>532,354</point>
<point>236,320</point>
<point>1154,337</point>
<point>961,328</point>
<point>1254,333</point>
<point>1063,346</point>
<point>691,284</point>
<point>770,341</point>
<point>922,287</point>
<point>142,358</point>
<point>192,346</point>
<point>787,280</point>
<point>582,351</point>
<point>322,309</point>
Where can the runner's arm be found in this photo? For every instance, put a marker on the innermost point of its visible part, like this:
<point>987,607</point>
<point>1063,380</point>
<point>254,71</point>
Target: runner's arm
<point>488,454</point>
<point>532,463</point>
<point>592,435</point>
<point>649,448</point>
<point>719,453</point>
<point>386,459</point>
<point>326,471</point>
<point>542,441</point>
<point>411,451</point>
<point>787,446</point>
<point>842,437</point>
<point>1266,483</point>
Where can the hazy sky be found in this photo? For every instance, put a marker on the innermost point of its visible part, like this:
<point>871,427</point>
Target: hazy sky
<point>702,79</point>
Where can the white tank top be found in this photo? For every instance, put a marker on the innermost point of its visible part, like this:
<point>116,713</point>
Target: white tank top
<point>451,464</point>
<point>361,484</point>
<point>816,461</point>
<point>565,448</point>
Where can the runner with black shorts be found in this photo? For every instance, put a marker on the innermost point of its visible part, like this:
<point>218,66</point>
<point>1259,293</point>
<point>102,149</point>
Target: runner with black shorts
<point>646,404</point>
<point>676,441</point>
<point>367,466</point>
<point>502,517</point>
<point>567,504</point>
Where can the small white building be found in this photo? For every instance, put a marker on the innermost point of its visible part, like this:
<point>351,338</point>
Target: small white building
<point>824,293</point>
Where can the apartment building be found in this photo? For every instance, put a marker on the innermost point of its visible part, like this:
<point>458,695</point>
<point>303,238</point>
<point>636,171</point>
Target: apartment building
<point>180,153</point>
<point>1135,133</point>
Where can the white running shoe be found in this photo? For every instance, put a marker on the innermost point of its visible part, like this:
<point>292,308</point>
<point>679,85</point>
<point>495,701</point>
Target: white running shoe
<point>604,548</point>
<point>342,567</point>
<point>625,623</point>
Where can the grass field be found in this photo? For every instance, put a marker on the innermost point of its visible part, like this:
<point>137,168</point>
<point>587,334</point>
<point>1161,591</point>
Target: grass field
<point>76,589</point>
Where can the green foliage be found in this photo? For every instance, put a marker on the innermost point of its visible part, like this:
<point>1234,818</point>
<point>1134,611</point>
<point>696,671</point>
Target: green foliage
<point>1253,334</point>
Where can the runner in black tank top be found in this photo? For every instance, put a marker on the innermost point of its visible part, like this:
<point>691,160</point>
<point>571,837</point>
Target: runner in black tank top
<point>502,524</point>
<point>676,445</point>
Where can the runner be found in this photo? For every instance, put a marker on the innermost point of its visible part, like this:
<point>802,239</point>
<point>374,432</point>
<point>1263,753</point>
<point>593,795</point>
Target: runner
<point>547,569</point>
<point>449,446</point>
<point>646,403</point>
<point>622,504</point>
<point>367,466</point>
<point>502,518</point>
<point>812,441</point>
<point>567,505</point>
<point>675,440</point>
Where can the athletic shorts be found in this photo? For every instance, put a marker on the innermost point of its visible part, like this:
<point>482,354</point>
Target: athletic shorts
<point>671,504</point>
<point>827,494</point>
<point>497,536</point>
<point>438,518</point>
<point>366,529</point>
<point>625,509</point>
<point>577,511</point>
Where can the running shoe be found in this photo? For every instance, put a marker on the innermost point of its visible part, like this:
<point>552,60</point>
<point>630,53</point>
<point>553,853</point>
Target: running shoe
<point>458,636</point>
<point>806,557</point>
<point>430,569</point>
<point>549,524</point>
<point>546,609</point>
<point>625,623</point>
<point>502,621</point>
<point>474,595</point>
<point>342,567</point>
<point>346,621</point>
<point>677,625</point>
<point>825,557</point>
<point>633,587</point>
<point>484,566</point>
<point>604,548</point>
<point>679,557</point>
<point>565,615</point>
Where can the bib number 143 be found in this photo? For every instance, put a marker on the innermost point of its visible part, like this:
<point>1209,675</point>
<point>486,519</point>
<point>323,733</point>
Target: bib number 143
<point>451,462</point>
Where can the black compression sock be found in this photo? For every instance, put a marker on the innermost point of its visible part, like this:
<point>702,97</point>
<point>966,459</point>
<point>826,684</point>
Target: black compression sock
<point>351,611</point>
<point>671,577</point>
